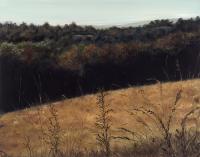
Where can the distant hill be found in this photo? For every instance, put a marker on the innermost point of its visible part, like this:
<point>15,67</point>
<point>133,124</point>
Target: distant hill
<point>131,24</point>
<point>134,24</point>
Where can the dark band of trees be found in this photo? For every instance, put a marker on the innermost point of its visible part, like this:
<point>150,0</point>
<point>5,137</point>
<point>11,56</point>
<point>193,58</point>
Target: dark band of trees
<point>47,63</point>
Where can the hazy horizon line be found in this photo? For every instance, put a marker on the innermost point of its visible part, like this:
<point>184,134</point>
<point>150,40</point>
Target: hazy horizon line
<point>97,24</point>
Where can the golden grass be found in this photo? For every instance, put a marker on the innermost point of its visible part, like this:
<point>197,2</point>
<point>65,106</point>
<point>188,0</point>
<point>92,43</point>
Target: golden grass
<point>77,116</point>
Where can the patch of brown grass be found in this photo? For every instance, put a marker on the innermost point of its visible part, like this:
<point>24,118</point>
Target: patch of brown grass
<point>77,116</point>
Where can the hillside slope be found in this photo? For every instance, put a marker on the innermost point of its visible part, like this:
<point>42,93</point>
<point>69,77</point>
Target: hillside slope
<point>77,116</point>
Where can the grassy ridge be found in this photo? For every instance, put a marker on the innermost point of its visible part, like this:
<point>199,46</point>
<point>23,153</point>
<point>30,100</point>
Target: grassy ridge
<point>77,117</point>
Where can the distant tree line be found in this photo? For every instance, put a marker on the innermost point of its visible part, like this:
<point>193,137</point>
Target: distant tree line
<point>42,63</point>
<point>65,36</point>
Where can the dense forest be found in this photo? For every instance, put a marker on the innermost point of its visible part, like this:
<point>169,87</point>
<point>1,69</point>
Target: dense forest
<point>40,63</point>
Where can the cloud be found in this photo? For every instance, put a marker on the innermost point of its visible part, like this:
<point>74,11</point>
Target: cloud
<point>95,11</point>
<point>3,3</point>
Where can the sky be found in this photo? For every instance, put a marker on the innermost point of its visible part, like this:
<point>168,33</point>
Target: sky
<point>95,12</point>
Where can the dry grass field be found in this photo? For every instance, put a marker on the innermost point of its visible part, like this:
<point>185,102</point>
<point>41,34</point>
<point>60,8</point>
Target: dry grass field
<point>77,117</point>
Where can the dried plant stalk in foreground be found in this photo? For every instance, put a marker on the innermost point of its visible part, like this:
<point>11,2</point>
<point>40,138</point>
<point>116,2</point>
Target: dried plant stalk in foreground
<point>103,124</point>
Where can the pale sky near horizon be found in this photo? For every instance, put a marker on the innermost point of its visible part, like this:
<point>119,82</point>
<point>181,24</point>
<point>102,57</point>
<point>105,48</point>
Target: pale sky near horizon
<point>95,12</point>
